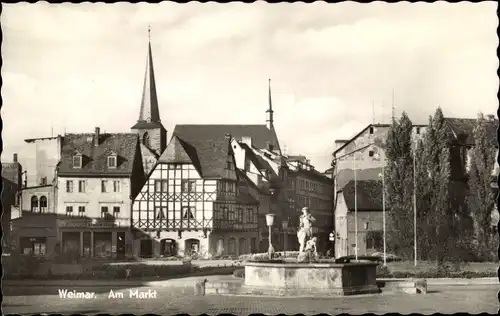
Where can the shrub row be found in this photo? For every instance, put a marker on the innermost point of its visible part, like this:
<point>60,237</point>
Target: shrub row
<point>383,272</point>
<point>137,271</point>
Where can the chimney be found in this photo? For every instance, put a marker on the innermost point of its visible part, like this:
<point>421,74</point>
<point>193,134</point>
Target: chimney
<point>96,137</point>
<point>227,136</point>
<point>15,158</point>
<point>247,140</point>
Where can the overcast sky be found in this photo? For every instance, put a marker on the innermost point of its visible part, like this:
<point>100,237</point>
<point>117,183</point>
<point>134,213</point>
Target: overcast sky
<point>73,67</point>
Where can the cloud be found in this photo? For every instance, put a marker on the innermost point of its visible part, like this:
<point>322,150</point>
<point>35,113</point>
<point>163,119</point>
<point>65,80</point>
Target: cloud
<point>81,66</point>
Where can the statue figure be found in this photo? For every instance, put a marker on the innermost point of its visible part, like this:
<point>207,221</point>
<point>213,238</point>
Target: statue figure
<point>305,228</point>
<point>311,246</point>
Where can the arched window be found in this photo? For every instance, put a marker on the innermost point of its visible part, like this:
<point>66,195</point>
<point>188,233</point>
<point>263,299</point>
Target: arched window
<point>43,204</point>
<point>145,139</point>
<point>231,246</point>
<point>34,204</point>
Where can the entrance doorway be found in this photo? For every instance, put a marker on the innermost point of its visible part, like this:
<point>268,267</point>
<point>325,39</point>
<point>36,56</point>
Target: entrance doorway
<point>120,245</point>
<point>168,247</point>
<point>146,248</point>
<point>192,246</point>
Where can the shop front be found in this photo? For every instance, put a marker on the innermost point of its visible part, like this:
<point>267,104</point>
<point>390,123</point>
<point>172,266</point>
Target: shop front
<point>34,234</point>
<point>105,239</point>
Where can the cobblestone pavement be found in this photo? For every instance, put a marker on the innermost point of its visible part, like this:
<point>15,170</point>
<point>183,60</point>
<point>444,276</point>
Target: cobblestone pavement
<point>171,301</point>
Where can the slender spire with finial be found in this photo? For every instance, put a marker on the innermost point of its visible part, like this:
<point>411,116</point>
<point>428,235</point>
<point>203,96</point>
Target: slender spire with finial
<point>149,111</point>
<point>270,112</point>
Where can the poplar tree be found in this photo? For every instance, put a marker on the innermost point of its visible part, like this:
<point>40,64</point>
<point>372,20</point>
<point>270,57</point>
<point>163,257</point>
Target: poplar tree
<point>399,187</point>
<point>437,168</point>
<point>481,198</point>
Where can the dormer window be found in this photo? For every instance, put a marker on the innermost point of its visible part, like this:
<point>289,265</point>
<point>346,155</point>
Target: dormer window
<point>112,160</point>
<point>371,129</point>
<point>77,161</point>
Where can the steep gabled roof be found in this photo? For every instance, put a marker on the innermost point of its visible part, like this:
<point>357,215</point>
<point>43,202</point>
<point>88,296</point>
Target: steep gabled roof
<point>260,134</point>
<point>369,195</point>
<point>344,176</point>
<point>94,158</point>
<point>211,147</point>
<point>462,130</point>
<point>259,162</point>
<point>149,115</point>
<point>178,151</point>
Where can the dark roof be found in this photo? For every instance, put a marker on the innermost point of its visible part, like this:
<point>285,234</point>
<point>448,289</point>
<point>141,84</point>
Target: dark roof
<point>312,173</point>
<point>178,151</point>
<point>260,134</point>
<point>207,155</point>
<point>94,158</point>
<point>369,195</point>
<point>259,162</point>
<point>30,140</point>
<point>208,143</point>
<point>12,171</point>
<point>462,130</point>
<point>146,125</point>
<point>346,175</point>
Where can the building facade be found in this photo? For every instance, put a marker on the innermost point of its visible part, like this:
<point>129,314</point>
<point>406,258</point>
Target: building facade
<point>11,185</point>
<point>369,218</point>
<point>194,203</point>
<point>97,176</point>
<point>39,158</point>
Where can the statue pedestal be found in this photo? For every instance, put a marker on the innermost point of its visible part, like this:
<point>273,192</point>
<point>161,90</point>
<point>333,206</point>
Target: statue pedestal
<point>316,279</point>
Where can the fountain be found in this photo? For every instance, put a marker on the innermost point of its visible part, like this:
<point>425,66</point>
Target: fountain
<point>307,275</point>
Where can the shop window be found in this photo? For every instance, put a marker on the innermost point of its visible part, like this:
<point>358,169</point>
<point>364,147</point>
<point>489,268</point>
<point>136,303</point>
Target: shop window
<point>43,204</point>
<point>34,204</point>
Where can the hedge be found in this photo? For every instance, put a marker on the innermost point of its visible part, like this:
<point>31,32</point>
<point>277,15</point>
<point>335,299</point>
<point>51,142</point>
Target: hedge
<point>383,272</point>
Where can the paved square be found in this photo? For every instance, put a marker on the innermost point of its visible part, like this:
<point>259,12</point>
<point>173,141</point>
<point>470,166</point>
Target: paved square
<point>171,301</point>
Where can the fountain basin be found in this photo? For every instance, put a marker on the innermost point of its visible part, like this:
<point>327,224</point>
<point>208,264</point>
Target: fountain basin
<point>310,279</point>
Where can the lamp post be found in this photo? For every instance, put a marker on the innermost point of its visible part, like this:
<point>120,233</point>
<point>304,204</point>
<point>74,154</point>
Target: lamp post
<point>332,239</point>
<point>284,224</point>
<point>270,222</point>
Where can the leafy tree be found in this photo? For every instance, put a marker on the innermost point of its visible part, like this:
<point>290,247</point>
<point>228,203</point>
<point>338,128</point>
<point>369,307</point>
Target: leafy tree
<point>481,198</point>
<point>399,187</point>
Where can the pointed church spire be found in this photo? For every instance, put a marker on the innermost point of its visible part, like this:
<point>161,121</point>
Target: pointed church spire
<point>149,112</point>
<point>270,112</point>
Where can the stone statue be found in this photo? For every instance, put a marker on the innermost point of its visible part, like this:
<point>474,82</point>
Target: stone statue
<point>305,228</point>
<point>311,246</point>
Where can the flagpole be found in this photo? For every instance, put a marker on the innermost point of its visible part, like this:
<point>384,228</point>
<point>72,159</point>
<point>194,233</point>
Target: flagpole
<point>355,205</point>
<point>383,209</point>
<point>415,203</point>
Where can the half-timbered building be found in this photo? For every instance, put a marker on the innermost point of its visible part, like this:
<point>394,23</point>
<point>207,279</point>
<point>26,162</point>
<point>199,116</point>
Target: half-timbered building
<point>194,201</point>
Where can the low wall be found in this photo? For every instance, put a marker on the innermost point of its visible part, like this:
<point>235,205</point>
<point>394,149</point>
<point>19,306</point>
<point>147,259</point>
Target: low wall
<point>298,279</point>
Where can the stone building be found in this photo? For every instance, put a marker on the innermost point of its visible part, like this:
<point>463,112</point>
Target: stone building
<point>369,219</point>
<point>97,175</point>
<point>11,185</point>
